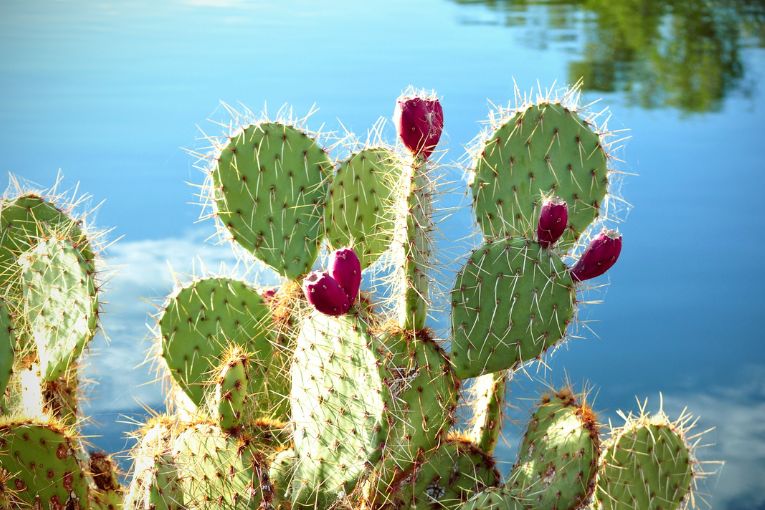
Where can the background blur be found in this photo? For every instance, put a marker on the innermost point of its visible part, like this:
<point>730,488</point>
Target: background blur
<point>109,92</point>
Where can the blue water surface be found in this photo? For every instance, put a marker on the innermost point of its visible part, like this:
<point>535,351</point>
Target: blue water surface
<point>110,93</point>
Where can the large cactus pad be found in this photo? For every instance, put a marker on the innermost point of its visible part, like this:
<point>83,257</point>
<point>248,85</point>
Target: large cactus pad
<point>41,461</point>
<point>60,304</point>
<point>339,395</point>
<point>270,187</point>
<point>487,400</point>
<point>647,464</point>
<point>202,320</point>
<point>447,477</point>
<point>558,458</point>
<point>543,149</point>
<point>361,212</point>
<point>512,301</point>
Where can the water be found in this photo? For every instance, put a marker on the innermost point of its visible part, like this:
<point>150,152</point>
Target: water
<point>110,93</point>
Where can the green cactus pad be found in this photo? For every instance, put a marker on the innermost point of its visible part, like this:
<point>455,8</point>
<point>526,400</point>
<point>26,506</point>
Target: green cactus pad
<point>7,344</point>
<point>60,304</point>
<point>281,473</point>
<point>511,302</point>
<point>25,220</point>
<point>107,494</point>
<point>447,477</point>
<point>270,188</point>
<point>425,392</point>
<point>202,320</point>
<point>228,401</point>
<point>42,463</point>
<point>543,149</point>
<point>361,212</point>
<point>217,470</point>
<point>339,397</point>
<point>155,484</point>
<point>487,400</point>
<point>647,464</point>
<point>558,458</point>
<point>494,498</point>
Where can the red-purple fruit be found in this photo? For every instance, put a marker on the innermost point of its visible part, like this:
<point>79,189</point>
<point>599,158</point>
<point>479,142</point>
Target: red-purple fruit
<point>345,268</point>
<point>553,219</point>
<point>419,121</point>
<point>599,256</point>
<point>325,294</point>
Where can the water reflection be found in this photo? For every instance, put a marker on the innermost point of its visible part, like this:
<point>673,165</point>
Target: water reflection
<point>683,54</point>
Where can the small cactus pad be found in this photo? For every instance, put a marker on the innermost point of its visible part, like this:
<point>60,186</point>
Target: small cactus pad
<point>647,464</point>
<point>25,220</point>
<point>7,344</point>
<point>447,477</point>
<point>487,399</point>
<point>218,471</point>
<point>361,212</point>
<point>155,484</point>
<point>202,320</point>
<point>558,458</point>
<point>42,463</point>
<point>494,498</point>
<point>512,301</point>
<point>339,395</point>
<point>425,392</point>
<point>281,472</point>
<point>543,149</point>
<point>270,187</point>
<point>231,391</point>
<point>60,304</point>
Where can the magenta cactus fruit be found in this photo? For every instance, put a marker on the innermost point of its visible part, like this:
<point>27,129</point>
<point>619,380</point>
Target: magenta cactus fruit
<point>553,219</point>
<point>268,294</point>
<point>599,256</point>
<point>326,294</point>
<point>419,120</point>
<point>345,268</point>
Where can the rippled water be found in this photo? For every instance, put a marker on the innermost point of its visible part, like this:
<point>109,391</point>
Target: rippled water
<point>110,93</point>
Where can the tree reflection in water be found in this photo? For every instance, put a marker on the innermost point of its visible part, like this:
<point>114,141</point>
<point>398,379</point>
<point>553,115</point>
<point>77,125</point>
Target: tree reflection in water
<point>685,54</point>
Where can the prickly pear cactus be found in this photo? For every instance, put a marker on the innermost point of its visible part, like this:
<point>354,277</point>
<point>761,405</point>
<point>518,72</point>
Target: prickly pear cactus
<point>318,393</point>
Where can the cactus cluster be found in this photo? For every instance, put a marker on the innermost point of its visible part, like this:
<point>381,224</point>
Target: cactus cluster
<point>317,394</point>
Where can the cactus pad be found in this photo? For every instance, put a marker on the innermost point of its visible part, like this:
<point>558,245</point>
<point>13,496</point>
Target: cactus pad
<point>60,304</point>
<point>7,346</point>
<point>202,320</point>
<point>218,470</point>
<point>270,186</point>
<point>487,399</point>
<point>647,464</point>
<point>231,391</point>
<point>339,395</point>
<point>512,301</point>
<point>425,392</point>
<point>543,149</point>
<point>281,472</point>
<point>361,211</point>
<point>28,218</point>
<point>42,463</point>
<point>447,477</point>
<point>558,458</point>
